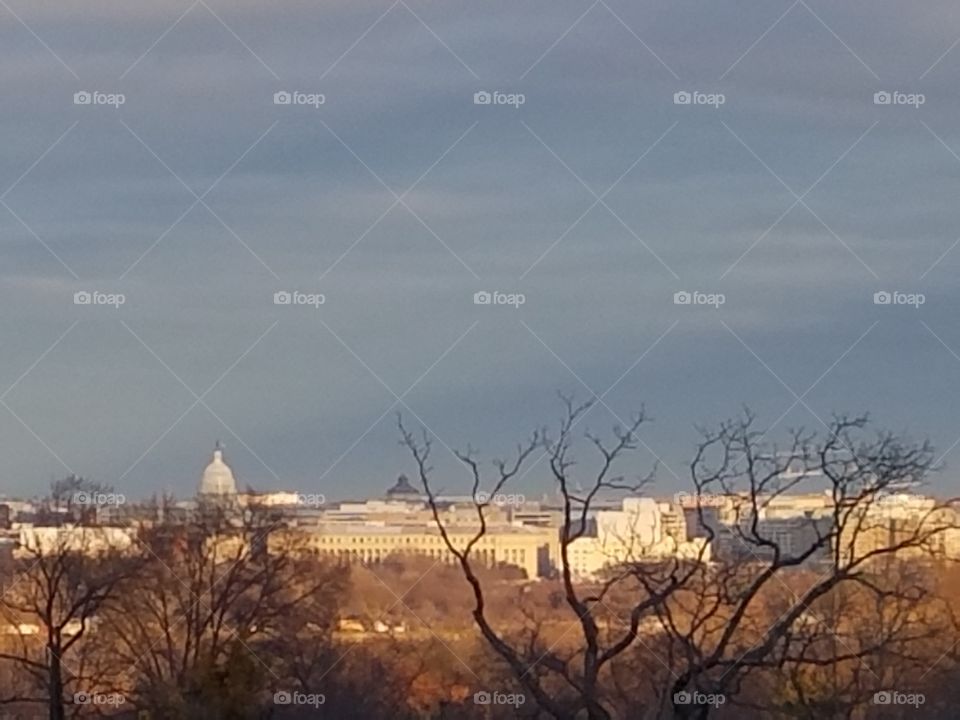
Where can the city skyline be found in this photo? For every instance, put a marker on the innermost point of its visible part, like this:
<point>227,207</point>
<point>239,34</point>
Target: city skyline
<point>571,359</point>
<point>220,464</point>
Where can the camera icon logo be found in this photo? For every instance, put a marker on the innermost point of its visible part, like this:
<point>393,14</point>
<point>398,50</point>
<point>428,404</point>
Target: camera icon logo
<point>882,98</point>
<point>282,698</point>
<point>81,698</point>
<point>682,698</point>
<point>884,697</point>
<point>882,298</point>
<point>282,298</point>
<point>82,298</point>
<point>682,98</point>
<point>282,98</point>
<point>481,698</point>
<point>682,298</point>
<point>82,98</point>
<point>482,298</point>
<point>482,98</point>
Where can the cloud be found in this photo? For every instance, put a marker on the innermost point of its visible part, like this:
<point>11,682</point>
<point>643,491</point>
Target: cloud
<point>501,207</point>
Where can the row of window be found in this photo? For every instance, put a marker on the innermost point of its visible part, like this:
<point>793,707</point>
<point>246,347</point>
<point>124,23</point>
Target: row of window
<point>516,556</point>
<point>386,540</point>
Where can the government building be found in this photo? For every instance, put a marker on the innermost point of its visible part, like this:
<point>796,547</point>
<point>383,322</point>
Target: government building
<point>528,549</point>
<point>400,523</point>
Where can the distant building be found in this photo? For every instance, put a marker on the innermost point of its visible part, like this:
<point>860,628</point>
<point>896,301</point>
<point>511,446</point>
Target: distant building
<point>643,530</point>
<point>279,499</point>
<point>537,514</point>
<point>403,490</point>
<point>902,519</point>
<point>529,549</point>
<point>793,536</point>
<point>98,540</point>
<point>217,481</point>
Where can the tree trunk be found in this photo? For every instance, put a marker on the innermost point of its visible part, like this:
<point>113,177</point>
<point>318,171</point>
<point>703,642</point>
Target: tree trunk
<point>55,674</point>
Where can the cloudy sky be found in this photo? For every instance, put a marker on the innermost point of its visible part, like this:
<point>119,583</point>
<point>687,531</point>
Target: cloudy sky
<point>796,199</point>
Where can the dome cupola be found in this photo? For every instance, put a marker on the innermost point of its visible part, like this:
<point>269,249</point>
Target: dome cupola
<point>218,477</point>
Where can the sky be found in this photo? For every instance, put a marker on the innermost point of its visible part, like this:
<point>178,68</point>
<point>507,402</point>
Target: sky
<point>781,198</point>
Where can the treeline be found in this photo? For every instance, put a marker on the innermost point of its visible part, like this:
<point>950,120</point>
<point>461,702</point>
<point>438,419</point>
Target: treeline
<point>214,615</point>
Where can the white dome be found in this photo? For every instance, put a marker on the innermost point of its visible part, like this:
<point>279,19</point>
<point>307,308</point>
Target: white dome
<point>218,477</point>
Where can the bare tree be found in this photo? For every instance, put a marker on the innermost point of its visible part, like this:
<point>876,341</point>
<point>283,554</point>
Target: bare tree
<point>65,584</point>
<point>719,622</point>
<point>748,614</point>
<point>535,666</point>
<point>71,499</point>
<point>217,612</point>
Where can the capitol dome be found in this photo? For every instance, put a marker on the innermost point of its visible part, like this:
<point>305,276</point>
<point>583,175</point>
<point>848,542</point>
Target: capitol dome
<point>218,477</point>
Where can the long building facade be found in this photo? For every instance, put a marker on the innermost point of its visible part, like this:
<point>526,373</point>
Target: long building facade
<point>530,549</point>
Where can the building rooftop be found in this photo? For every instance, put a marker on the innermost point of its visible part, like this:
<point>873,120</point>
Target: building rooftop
<point>403,489</point>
